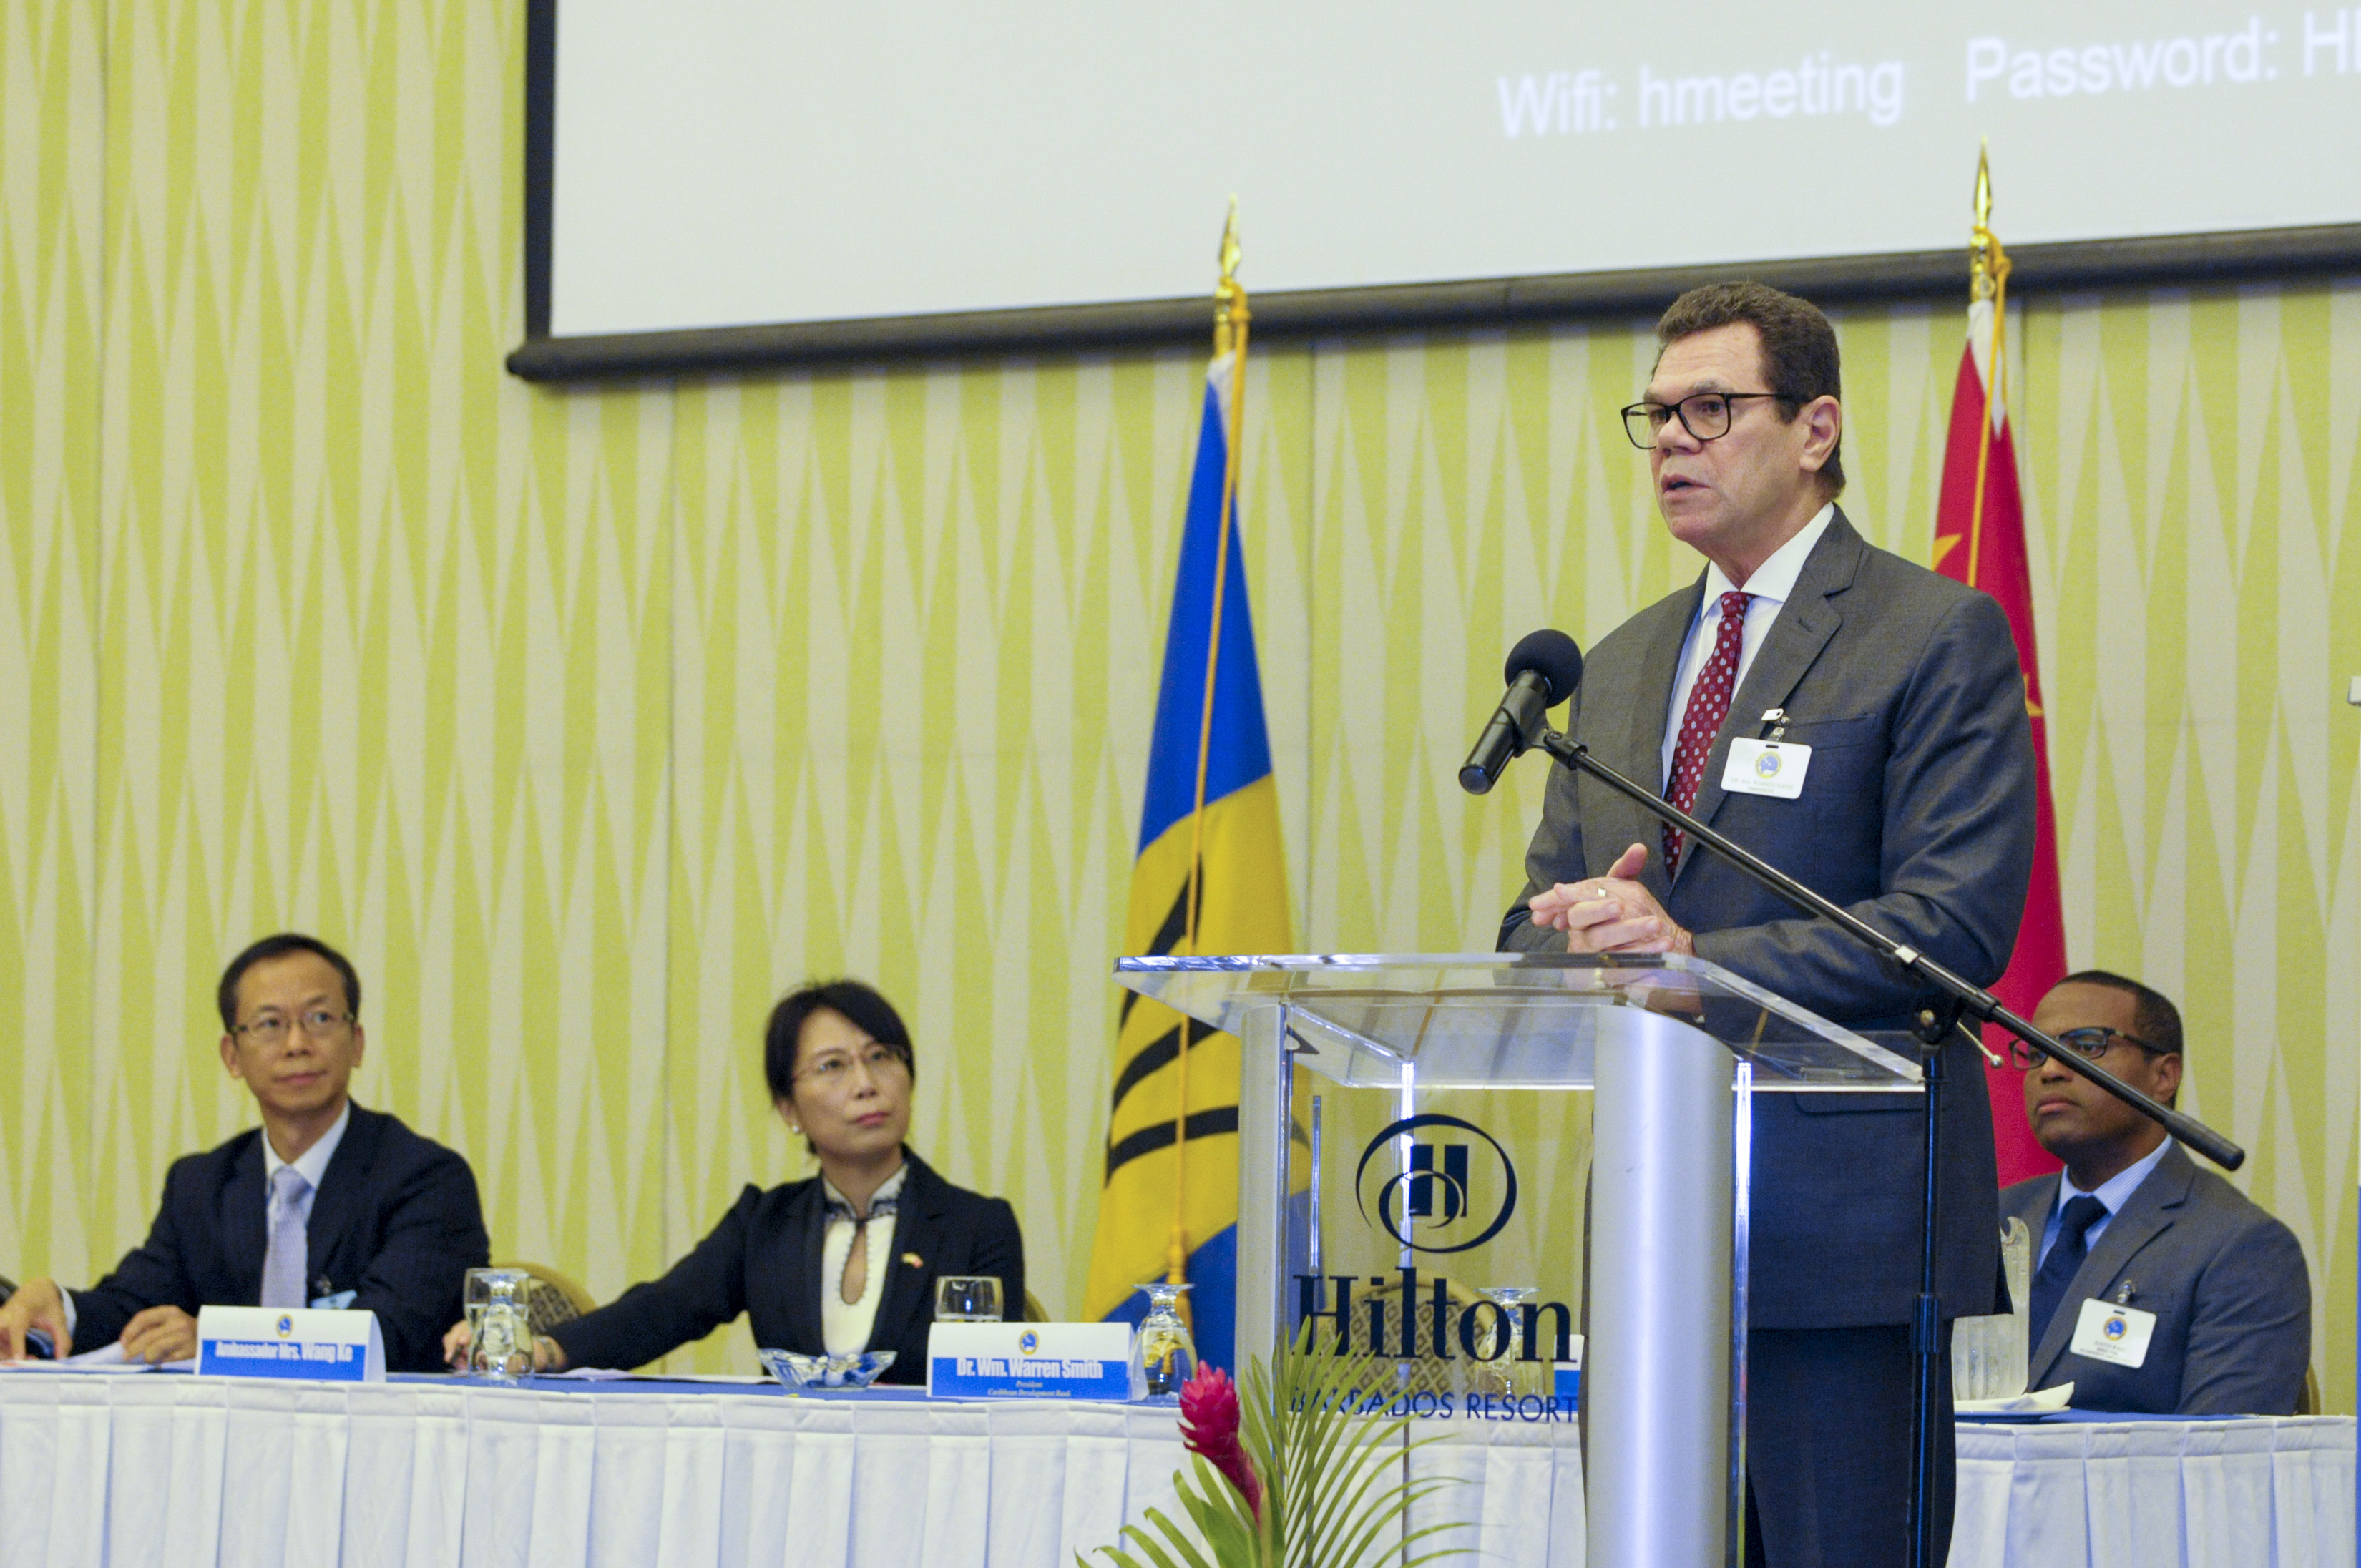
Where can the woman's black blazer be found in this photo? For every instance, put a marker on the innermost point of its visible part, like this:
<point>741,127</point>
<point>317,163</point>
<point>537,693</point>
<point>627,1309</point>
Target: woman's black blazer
<point>764,1259</point>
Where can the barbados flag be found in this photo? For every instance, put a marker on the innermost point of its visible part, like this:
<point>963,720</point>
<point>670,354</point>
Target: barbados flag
<point>1210,879</point>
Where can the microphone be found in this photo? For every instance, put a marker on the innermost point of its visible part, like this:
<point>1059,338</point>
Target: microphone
<point>1543,669</point>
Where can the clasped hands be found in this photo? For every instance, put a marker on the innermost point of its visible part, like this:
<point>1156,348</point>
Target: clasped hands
<point>1610,914</point>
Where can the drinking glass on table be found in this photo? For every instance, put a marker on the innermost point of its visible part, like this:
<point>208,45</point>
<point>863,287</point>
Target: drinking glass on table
<point>967,1299</point>
<point>1519,1376</point>
<point>500,1334</point>
<point>1163,1351</point>
<point>479,1291</point>
<point>1988,1353</point>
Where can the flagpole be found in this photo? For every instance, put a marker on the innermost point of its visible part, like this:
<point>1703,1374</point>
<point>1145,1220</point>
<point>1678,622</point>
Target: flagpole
<point>1230,319</point>
<point>1987,266</point>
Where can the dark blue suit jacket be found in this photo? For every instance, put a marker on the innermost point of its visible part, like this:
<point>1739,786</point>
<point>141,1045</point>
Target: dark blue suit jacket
<point>2227,1284</point>
<point>1917,815</point>
<point>396,1221</point>
<point>764,1259</point>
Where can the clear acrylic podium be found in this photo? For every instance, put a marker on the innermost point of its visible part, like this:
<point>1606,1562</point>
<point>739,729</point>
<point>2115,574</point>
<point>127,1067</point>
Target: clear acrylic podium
<point>1400,1159</point>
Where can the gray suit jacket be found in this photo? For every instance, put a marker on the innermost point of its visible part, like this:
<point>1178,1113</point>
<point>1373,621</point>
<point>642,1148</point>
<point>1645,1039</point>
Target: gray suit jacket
<point>1918,814</point>
<point>2227,1284</point>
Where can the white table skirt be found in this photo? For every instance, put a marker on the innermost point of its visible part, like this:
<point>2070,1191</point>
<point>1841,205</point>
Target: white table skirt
<point>2236,1493</point>
<point>189,1472</point>
<point>196,1472</point>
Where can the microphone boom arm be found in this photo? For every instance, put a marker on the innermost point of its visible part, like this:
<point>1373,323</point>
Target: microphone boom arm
<point>1973,999</point>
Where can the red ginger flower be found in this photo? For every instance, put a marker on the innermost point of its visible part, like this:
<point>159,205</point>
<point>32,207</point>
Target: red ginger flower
<point>1209,1425</point>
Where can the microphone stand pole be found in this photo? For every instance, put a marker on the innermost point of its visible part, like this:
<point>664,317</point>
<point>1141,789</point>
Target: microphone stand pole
<point>1936,1021</point>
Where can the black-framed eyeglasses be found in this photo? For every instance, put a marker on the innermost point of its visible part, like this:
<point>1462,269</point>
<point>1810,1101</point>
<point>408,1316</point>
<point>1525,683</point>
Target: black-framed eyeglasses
<point>1705,415</point>
<point>2090,1044</point>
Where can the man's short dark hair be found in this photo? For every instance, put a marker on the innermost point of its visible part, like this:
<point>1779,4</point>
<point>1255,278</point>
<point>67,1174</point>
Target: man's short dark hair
<point>2154,1018</point>
<point>861,1005</point>
<point>285,942</point>
<point>1799,347</point>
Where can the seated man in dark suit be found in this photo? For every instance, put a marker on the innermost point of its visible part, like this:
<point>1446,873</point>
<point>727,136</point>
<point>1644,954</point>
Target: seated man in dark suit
<point>2156,1287</point>
<point>326,1205</point>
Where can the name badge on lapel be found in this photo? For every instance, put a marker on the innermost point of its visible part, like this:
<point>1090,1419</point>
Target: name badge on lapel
<point>1775,768</point>
<point>2114,1334</point>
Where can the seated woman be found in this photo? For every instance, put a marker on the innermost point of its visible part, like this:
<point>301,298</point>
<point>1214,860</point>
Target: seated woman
<point>843,1261</point>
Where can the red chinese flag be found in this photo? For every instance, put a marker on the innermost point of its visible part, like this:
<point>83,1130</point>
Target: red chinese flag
<point>1988,552</point>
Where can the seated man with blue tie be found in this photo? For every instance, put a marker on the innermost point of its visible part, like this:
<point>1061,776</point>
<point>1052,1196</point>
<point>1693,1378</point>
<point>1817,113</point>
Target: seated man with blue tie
<point>328,1204</point>
<point>2157,1286</point>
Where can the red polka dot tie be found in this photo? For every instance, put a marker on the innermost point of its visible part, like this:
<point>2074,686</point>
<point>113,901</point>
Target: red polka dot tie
<point>1708,706</point>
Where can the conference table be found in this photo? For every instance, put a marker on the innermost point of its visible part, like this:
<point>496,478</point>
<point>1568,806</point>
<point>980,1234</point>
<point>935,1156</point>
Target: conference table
<point>180,1470</point>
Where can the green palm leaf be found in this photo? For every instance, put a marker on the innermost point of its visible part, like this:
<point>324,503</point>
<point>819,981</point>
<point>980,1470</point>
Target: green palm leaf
<point>1333,1492</point>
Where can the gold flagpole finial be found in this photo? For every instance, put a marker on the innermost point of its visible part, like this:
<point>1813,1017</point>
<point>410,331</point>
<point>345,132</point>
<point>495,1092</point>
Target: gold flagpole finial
<point>1988,267</point>
<point>1983,248</point>
<point>1229,298</point>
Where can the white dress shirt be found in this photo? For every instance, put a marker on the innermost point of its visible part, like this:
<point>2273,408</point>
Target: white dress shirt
<point>2112,1194</point>
<point>1771,584</point>
<point>313,1166</point>
<point>844,1326</point>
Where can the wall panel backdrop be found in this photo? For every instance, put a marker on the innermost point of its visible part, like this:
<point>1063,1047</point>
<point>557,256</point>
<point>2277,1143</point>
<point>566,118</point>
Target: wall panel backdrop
<point>590,720</point>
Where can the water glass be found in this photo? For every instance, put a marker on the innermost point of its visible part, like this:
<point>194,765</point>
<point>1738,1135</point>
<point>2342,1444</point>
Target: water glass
<point>1163,1355</point>
<point>479,1291</point>
<point>967,1299</point>
<point>1519,1376</point>
<point>1989,1354</point>
<point>501,1342</point>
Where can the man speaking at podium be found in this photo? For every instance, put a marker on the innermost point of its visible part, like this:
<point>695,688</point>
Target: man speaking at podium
<point>1915,812</point>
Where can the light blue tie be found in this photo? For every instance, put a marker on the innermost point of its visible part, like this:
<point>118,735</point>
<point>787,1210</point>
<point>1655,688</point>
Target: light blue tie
<point>283,1266</point>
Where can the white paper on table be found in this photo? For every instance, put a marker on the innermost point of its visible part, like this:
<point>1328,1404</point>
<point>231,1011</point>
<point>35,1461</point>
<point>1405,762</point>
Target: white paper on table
<point>2041,1401</point>
<point>105,1358</point>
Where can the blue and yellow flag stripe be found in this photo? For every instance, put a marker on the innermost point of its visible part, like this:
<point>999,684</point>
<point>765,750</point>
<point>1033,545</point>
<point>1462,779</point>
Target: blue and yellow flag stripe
<point>1171,1163</point>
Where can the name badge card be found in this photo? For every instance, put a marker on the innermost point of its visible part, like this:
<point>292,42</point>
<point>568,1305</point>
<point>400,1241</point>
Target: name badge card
<point>1028,1361</point>
<point>274,1342</point>
<point>1775,768</point>
<point>2115,1334</point>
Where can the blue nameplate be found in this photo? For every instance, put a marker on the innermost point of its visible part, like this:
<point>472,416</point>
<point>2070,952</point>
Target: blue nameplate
<point>267,1341</point>
<point>1029,1361</point>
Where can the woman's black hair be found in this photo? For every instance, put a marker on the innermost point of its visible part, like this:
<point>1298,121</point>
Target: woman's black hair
<point>861,1005</point>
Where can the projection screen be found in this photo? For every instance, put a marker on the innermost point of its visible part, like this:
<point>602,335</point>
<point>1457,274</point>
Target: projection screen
<point>726,181</point>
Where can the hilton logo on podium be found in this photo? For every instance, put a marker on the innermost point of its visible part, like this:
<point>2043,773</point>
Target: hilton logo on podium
<point>1436,1205</point>
<point>1451,1190</point>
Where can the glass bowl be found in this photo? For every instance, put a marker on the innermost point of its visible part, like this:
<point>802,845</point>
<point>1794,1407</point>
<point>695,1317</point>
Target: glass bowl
<point>797,1370</point>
